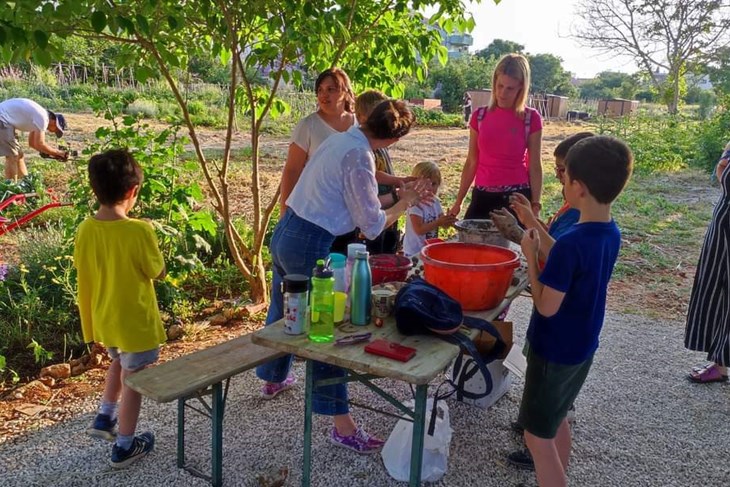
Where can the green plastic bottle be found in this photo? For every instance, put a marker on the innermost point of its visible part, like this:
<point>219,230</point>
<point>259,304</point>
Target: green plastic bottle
<point>322,324</point>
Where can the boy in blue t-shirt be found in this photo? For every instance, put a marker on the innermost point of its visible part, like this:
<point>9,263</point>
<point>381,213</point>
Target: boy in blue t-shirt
<point>570,300</point>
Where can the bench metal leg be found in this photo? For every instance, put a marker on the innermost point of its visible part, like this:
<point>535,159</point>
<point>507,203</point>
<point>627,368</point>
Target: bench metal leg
<point>217,447</point>
<point>419,415</point>
<point>308,389</point>
<point>214,410</point>
<point>181,433</point>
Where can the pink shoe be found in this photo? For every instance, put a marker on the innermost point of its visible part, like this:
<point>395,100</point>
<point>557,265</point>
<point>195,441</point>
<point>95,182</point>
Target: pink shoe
<point>711,373</point>
<point>271,389</point>
<point>359,442</point>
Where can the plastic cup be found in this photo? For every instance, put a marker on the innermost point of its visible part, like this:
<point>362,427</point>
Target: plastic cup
<point>340,299</point>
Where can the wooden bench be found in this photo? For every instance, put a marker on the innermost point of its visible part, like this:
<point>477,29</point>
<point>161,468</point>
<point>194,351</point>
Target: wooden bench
<point>200,376</point>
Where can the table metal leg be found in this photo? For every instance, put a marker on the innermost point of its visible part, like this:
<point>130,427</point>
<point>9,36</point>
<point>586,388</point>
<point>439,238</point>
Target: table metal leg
<point>308,389</point>
<point>181,432</point>
<point>217,426</point>
<point>419,415</point>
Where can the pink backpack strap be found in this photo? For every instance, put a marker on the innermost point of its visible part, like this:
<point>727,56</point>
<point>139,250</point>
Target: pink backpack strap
<point>528,122</point>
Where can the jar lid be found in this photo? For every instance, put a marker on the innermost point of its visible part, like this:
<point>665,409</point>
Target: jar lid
<point>295,283</point>
<point>337,261</point>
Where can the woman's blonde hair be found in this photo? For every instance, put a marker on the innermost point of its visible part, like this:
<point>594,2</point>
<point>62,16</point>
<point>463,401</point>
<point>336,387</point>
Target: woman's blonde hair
<point>427,169</point>
<point>515,66</point>
<point>367,101</point>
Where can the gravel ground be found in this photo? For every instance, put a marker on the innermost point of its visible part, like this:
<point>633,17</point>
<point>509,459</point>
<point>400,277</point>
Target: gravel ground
<point>639,423</point>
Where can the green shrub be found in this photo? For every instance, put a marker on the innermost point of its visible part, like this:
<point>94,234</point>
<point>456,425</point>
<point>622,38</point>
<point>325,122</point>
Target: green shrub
<point>437,118</point>
<point>714,133</point>
<point>660,143</point>
<point>37,302</point>
<point>144,107</point>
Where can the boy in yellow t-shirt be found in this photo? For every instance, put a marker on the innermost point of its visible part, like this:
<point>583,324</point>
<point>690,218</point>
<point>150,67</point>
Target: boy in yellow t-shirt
<point>117,258</point>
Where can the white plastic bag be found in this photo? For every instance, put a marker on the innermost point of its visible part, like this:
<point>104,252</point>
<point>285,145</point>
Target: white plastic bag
<point>501,382</point>
<point>396,452</point>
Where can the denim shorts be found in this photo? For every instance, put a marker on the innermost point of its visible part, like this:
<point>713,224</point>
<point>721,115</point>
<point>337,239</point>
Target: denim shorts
<point>550,390</point>
<point>134,360</point>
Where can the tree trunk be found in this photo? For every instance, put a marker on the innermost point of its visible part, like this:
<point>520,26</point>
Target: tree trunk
<point>674,103</point>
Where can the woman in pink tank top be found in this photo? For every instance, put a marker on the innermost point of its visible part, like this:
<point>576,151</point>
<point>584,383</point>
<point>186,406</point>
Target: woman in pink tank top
<point>505,140</point>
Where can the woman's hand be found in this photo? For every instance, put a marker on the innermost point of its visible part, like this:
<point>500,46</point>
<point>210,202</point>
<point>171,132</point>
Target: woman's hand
<point>721,165</point>
<point>418,192</point>
<point>455,209</point>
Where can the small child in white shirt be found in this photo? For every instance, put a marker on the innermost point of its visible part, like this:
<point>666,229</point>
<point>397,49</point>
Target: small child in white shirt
<point>424,220</point>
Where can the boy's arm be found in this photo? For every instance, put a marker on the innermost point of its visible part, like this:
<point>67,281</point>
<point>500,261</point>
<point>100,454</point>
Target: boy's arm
<point>546,299</point>
<point>521,205</point>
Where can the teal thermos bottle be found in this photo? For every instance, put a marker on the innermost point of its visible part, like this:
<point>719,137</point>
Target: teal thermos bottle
<point>362,281</point>
<point>322,324</point>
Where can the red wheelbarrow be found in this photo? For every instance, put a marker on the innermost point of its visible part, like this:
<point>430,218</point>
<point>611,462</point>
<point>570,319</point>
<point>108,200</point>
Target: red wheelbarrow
<point>7,224</point>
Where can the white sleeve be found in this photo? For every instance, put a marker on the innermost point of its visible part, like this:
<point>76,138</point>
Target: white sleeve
<point>361,193</point>
<point>302,135</point>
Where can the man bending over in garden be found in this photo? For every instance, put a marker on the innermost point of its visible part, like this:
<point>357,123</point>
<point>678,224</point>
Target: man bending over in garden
<point>27,116</point>
<point>117,258</point>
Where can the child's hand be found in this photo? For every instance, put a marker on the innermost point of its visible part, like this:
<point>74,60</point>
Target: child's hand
<point>530,242</point>
<point>523,208</point>
<point>507,225</point>
<point>446,220</point>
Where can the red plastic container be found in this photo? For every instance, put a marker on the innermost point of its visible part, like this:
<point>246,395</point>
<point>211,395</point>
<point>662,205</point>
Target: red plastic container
<point>476,275</point>
<point>389,268</point>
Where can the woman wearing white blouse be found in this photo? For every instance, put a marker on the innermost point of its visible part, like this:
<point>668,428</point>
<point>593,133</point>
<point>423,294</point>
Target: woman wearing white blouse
<point>335,114</point>
<point>336,193</point>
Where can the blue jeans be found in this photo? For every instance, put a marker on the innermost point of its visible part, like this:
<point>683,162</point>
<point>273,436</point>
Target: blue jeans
<point>295,247</point>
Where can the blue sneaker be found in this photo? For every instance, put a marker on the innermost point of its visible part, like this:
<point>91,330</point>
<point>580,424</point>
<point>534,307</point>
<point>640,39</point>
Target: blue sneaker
<point>141,446</point>
<point>103,428</point>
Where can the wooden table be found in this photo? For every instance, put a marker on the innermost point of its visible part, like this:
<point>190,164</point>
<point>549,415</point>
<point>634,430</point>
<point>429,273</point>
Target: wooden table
<point>433,357</point>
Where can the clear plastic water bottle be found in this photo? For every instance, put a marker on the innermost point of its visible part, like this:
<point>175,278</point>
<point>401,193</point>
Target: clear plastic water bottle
<point>338,264</point>
<point>322,324</point>
<point>360,289</point>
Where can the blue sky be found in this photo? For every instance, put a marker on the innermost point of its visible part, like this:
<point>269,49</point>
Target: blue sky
<point>542,26</point>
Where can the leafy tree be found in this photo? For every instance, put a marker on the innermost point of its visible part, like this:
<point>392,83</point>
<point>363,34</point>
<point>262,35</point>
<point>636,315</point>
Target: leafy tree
<point>610,84</point>
<point>498,48</point>
<point>375,41</point>
<point>548,75</point>
<point>674,35</point>
<point>719,70</point>
<point>449,82</point>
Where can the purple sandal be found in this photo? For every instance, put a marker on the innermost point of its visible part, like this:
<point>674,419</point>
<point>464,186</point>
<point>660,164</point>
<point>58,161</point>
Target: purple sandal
<point>710,373</point>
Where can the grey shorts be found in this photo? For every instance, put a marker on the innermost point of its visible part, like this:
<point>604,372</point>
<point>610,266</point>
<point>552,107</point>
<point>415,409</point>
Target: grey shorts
<point>9,145</point>
<point>134,360</point>
<point>550,390</point>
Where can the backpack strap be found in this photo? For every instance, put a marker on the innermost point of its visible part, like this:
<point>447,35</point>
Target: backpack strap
<point>481,112</point>
<point>528,121</point>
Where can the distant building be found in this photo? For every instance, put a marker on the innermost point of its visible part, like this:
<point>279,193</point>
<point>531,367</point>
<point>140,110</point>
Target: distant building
<point>458,44</point>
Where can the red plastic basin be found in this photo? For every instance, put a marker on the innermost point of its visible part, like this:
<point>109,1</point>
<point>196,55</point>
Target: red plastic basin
<point>389,268</point>
<point>476,275</point>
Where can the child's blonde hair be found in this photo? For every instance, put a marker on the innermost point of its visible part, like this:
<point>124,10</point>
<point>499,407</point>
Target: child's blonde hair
<point>515,66</point>
<point>428,170</point>
<point>367,101</point>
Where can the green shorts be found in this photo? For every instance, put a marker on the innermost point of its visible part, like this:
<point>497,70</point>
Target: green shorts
<point>9,145</point>
<point>550,389</point>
